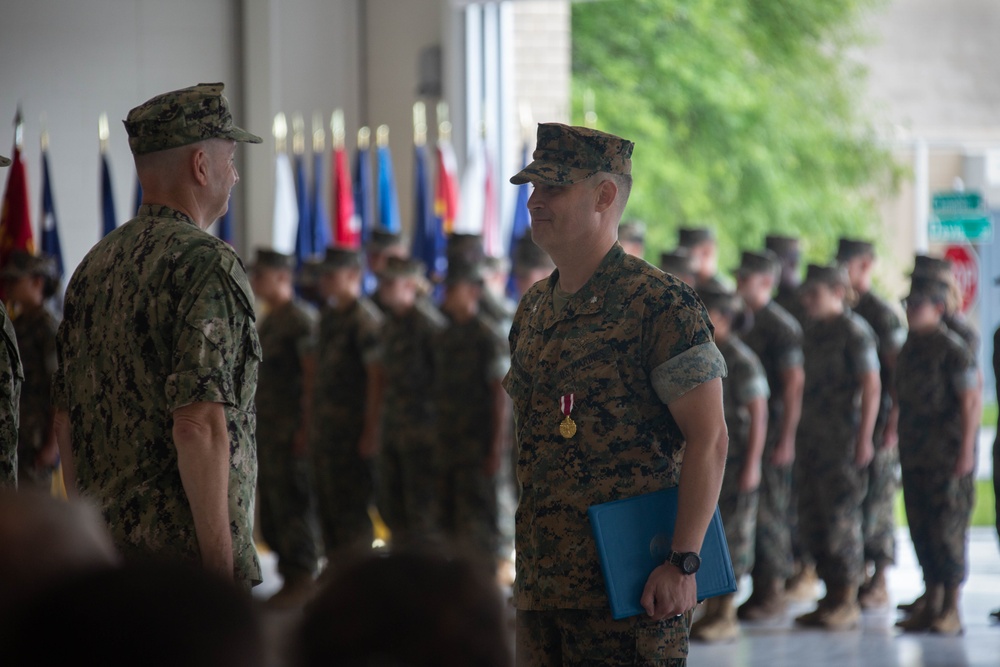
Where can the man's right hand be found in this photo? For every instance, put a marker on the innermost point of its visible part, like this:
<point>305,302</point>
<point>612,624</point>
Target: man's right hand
<point>784,452</point>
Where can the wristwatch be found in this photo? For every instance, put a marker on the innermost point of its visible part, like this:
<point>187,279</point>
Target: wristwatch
<point>687,561</point>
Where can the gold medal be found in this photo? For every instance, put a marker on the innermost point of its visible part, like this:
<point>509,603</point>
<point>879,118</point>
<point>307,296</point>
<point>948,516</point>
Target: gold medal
<point>567,428</point>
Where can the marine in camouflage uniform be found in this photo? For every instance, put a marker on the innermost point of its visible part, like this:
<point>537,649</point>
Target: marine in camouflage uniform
<point>776,339</point>
<point>159,320</point>
<point>470,362</point>
<point>839,406</point>
<point>409,469</point>
<point>284,484</point>
<point>937,386</point>
<point>625,356</point>
<point>702,249</point>
<point>11,377</point>
<point>786,248</point>
<point>30,280</point>
<point>879,524</point>
<point>347,398</point>
<point>744,394</point>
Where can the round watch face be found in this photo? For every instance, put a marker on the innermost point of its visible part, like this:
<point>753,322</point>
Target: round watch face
<point>690,563</point>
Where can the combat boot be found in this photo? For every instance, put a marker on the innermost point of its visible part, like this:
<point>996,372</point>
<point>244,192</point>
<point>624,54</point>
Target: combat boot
<point>766,602</point>
<point>803,585</point>
<point>723,625</point>
<point>875,594</point>
<point>913,607</point>
<point>709,613</point>
<point>295,592</point>
<point>842,611</point>
<point>922,618</point>
<point>813,618</point>
<point>948,622</point>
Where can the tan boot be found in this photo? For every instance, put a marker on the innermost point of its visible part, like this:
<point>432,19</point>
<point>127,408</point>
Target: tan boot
<point>948,622</point>
<point>814,617</point>
<point>875,594</point>
<point>913,607</point>
<point>294,593</point>
<point>842,611</point>
<point>921,619</point>
<point>803,585</point>
<point>710,610</point>
<point>723,626</point>
<point>769,603</point>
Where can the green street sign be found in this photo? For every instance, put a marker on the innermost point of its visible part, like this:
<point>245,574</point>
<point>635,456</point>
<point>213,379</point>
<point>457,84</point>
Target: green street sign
<point>959,216</point>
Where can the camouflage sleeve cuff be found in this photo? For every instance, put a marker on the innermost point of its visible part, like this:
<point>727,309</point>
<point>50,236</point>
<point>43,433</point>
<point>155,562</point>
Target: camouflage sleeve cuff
<point>755,388</point>
<point>682,373</point>
<point>792,358</point>
<point>201,385</point>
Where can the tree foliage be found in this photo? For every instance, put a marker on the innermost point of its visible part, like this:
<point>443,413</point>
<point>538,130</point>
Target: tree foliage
<point>746,116</point>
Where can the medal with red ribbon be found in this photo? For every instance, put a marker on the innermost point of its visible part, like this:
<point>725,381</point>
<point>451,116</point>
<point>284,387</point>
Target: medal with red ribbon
<point>567,428</point>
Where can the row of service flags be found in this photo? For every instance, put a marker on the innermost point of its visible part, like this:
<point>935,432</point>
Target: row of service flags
<point>443,203</point>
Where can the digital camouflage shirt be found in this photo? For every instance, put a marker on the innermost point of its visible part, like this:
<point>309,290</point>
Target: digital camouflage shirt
<point>837,352</point>
<point>628,343</point>
<point>776,339</point>
<point>11,377</point>
<point>158,315</point>
<point>745,382</point>
<point>347,343</point>
<point>890,334</point>
<point>36,335</point>
<point>932,372</point>
<point>287,335</point>
<point>468,357</point>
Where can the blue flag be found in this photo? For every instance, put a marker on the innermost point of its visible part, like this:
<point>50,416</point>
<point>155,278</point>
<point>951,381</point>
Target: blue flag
<point>428,237</point>
<point>50,229</point>
<point>107,198</point>
<point>304,236</point>
<point>521,224</point>
<point>363,195</point>
<point>317,215</point>
<point>388,201</point>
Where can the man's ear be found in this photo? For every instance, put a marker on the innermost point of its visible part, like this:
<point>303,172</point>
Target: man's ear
<point>199,165</point>
<point>607,191</point>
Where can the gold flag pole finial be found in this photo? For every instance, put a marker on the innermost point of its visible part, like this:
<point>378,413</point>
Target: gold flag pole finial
<point>364,138</point>
<point>444,125</point>
<point>319,133</point>
<point>419,124</point>
<point>298,134</point>
<point>382,136</point>
<point>43,137</point>
<point>18,128</point>
<point>102,131</point>
<point>589,115</point>
<point>337,128</point>
<point>280,131</point>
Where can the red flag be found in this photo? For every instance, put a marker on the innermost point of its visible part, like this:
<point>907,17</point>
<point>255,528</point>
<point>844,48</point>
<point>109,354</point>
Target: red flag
<point>15,217</point>
<point>446,188</point>
<point>345,226</point>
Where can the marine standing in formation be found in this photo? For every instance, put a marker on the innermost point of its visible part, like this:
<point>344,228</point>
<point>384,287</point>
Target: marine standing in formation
<point>284,486</point>
<point>154,394</point>
<point>615,378</point>
<point>839,406</point>
<point>29,281</point>
<point>11,377</point>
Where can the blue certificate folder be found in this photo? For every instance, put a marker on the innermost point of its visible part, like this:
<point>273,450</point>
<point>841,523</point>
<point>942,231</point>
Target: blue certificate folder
<point>633,538</point>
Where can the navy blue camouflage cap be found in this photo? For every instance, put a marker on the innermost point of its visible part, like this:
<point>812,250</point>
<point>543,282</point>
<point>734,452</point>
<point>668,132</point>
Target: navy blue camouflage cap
<point>4,161</point>
<point>848,249</point>
<point>183,117</point>
<point>567,154</point>
<point>752,262</point>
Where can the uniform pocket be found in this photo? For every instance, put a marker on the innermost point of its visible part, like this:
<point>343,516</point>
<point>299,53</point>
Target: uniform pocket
<point>664,644</point>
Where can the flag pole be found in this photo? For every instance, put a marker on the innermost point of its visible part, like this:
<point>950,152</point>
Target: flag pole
<point>319,133</point>
<point>444,125</point>
<point>364,138</point>
<point>18,129</point>
<point>298,134</point>
<point>43,137</point>
<point>102,132</point>
<point>280,131</point>
<point>382,136</point>
<point>419,124</point>
<point>337,131</point>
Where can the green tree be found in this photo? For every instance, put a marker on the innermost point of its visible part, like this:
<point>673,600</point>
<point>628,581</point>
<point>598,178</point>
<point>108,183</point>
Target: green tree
<point>746,116</point>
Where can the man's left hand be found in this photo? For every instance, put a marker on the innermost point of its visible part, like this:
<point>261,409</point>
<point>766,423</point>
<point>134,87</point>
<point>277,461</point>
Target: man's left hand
<point>669,593</point>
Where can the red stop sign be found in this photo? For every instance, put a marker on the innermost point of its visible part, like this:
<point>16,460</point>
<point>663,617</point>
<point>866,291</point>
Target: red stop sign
<point>965,267</point>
